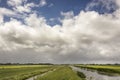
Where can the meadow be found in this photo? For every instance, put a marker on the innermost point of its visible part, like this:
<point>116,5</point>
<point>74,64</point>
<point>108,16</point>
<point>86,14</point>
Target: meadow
<point>22,72</point>
<point>63,73</point>
<point>51,72</point>
<point>103,69</point>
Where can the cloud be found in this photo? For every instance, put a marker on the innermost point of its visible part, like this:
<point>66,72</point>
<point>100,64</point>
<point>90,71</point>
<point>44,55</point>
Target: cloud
<point>34,20</point>
<point>25,8</point>
<point>43,3</point>
<point>15,2</point>
<point>86,37</point>
<point>1,19</point>
<point>5,12</point>
<point>117,2</point>
<point>102,5</point>
<point>51,5</point>
<point>21,6</point>
<point>69,14</point>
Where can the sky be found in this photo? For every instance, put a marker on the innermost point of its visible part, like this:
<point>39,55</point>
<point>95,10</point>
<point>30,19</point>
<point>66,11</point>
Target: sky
<point>59,31</point>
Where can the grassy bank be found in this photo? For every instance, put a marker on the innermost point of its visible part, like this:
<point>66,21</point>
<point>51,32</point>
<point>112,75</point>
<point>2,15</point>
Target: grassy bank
<point>103,69</point>
<point>63,73</point>
<point>21,72</point>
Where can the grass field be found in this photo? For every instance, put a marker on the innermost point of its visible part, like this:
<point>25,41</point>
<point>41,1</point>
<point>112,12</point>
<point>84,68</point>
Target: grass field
<point>20,66</point>
<point>21,72</point>
<point>53,72</point>
<point>63,73</point>
<point>108,69</point>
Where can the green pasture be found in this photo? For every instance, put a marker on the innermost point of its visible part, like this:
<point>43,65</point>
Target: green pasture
<point>22,72</point>
<point>63,73</point>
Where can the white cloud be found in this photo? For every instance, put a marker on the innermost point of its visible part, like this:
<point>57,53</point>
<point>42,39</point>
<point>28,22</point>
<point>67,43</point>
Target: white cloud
<point>118,2</point>
<point>69,14</point>
<point>35,21</point>
<point>79,37</point>
<point>4,11</point>
<point>22,9</point>
<point>43,3</point>
<point>1,19</point>
<point>26,8</point>
<point>15,2</point>
<point>104,4</point>
<point>88,36</point>
<point>21,6</point>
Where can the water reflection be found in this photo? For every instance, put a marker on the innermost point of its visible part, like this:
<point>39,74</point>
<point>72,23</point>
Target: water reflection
<point>93,75</point>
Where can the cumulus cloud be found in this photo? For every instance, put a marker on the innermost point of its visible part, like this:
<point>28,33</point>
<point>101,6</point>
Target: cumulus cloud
<point>86,37</point>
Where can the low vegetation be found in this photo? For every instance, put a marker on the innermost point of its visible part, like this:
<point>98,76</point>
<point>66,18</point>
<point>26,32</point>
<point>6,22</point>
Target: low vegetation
<point>22,72</point>
<point>103,69</point>
<point>52,72</point>
<point>80,74</point>
<point>62,73</point>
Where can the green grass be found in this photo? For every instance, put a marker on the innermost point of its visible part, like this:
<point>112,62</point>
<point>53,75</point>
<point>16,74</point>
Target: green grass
<point>103,69</point>
<point>21,72</point>
<point>20,66</point>
<point>81,74</point>
<point>63,73</point>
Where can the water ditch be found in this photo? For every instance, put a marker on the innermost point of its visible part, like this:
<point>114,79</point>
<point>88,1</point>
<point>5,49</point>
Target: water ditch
<point>94,75</point>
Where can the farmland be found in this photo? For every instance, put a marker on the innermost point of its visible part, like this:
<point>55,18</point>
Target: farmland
<point>53,72</point>
<point>22,72</point>
<point>63,73</point>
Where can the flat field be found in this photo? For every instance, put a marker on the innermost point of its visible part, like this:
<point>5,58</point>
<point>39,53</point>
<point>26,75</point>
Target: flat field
<point>51,72</point>
<point>63,73</point>
<point>22,72</point>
